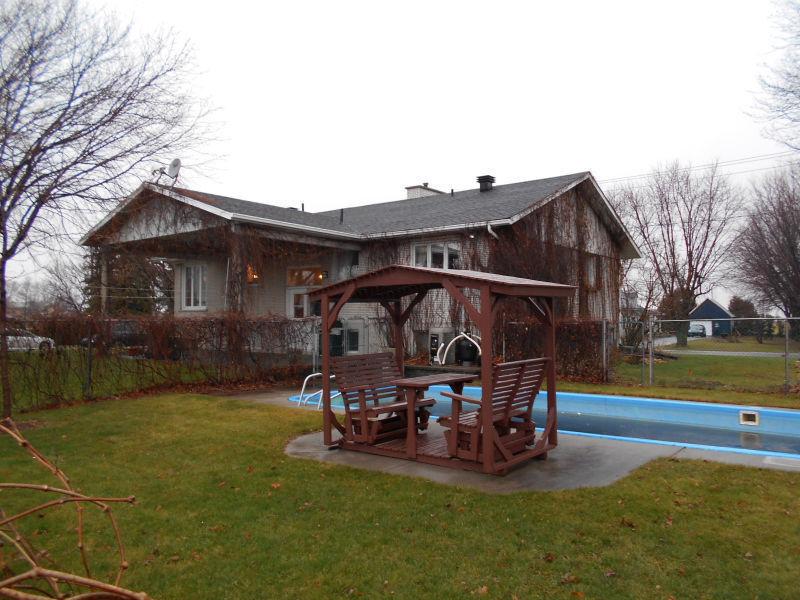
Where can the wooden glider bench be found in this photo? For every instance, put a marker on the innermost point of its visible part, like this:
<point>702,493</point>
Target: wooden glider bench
<point>516,385</point>
<point>375,409</point>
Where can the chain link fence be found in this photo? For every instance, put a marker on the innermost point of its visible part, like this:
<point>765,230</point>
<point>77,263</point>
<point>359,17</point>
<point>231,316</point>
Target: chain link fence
<point>63,360</point>
<point>739,354</point>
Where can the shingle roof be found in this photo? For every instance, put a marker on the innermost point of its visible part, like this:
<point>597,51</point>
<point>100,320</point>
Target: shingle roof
<point>264,211</point>
<point>503,204</point>
<point>440,210</point>
<point>460,208</point>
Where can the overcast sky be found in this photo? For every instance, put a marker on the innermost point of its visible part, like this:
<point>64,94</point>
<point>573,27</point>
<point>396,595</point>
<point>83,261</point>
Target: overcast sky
<point>340,103</point>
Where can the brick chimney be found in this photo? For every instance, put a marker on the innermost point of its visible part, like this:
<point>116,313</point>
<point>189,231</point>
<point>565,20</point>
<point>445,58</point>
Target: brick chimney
<point>419,191</point>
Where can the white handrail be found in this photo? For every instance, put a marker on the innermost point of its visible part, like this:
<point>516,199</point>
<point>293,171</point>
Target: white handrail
<point>442,357</point>
<point>304,400</point>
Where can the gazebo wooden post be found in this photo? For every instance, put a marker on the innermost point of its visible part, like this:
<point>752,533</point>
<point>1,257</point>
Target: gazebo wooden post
<point>485,326</point>
<point>326,371</point>
<point>550,332</point>
<point>397,333</point>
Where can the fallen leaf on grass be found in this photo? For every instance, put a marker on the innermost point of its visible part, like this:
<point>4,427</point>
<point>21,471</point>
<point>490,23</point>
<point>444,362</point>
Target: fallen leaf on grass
<point>275,486</point>
<point>610,573</point>
<point>549,557</point>
<point>627,523</point>
<point>569,578</point>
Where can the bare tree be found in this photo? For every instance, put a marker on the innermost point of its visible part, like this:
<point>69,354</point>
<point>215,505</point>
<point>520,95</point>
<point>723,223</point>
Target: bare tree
<point>767,249</point>
<point>84,106</point>
<point>781,86</point>
<point>65,285</point>
<point>682,222</point>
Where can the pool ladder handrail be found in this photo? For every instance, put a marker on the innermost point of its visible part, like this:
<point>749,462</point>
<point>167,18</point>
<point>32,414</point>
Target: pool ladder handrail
<point>440,358</point>
<point>305,400</point>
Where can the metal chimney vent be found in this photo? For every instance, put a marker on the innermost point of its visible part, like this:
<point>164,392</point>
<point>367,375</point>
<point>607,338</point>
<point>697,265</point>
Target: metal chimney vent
<point>486,182</point>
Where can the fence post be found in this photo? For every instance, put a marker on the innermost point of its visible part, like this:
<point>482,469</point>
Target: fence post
<point>650,344</point>
<point>87,385</point>
<point>786,375</point>
<point>644,348</point>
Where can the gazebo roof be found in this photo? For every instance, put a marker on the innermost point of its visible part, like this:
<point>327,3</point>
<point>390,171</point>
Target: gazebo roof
<point>398,281</point>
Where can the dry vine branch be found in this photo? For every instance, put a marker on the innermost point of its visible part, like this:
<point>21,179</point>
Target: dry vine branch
<point>24,585</point>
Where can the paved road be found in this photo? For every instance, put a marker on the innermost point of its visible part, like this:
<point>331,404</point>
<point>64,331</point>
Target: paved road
<point>668,341</point>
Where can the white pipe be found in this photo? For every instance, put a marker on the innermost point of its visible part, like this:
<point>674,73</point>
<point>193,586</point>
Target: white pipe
<point>491,231</point>
<point>442,357</point>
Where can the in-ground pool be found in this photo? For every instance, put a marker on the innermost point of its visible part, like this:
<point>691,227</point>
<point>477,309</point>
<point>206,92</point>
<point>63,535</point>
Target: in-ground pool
<point>746,429</point>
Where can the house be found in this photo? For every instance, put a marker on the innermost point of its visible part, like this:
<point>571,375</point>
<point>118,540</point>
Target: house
<point>711,311</point>
<point>261,259</point>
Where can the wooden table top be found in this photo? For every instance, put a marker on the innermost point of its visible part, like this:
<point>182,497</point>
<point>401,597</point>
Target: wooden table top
<point>425,381</point>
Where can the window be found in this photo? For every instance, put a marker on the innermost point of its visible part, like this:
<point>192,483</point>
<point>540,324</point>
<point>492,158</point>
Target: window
<point>420,255</point>
<point>194,287</point>
<point>437,255</point>
<point>252,275</point>
<point>299,305</point>
<point>305,276</point>
<point>453,257</point>
<point>351,340</point>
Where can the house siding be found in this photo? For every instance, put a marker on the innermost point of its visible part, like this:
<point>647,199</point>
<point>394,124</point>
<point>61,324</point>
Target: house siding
<point>157,216</point>
<point>584,254</point>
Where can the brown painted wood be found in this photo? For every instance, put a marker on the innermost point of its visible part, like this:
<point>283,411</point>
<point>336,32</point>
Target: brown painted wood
<point>334,314</point>
<point>426,381</point>
<point>375,407</point>
<point>485,324</point>
<point>551,427</point>
<point>383,417</point>
<point>456,294</point>
<point>510,414</point>
<point>327,434</point>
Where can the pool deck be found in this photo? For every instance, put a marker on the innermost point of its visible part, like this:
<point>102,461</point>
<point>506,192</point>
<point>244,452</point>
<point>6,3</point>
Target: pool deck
<point>579,461</point>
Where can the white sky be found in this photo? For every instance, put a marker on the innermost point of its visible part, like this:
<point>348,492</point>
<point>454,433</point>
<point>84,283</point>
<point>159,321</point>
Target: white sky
<point>342,103</point>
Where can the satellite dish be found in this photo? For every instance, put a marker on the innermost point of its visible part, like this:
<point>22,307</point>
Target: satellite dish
<point>174,168</point>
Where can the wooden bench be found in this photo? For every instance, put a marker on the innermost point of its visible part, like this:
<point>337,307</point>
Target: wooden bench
<point>375,409</point>
<point>516,385</point>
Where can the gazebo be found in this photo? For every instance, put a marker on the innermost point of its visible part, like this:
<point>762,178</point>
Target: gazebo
<point>399,289</point>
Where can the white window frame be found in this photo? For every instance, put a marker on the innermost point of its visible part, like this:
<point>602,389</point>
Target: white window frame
<point>304,289</point>
<point>446,247</point>
<point>195,268</point>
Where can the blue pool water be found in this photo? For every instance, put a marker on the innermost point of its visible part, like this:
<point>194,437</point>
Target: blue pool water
<point>693,424</point>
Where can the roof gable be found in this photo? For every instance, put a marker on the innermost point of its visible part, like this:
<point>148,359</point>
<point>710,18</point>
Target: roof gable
<point>710,308</point>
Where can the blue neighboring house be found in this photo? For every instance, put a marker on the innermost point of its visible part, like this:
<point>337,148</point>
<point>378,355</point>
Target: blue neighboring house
<point>709,310</point>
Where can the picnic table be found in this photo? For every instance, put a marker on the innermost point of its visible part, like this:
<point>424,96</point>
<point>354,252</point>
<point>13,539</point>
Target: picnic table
<point>414,388</point>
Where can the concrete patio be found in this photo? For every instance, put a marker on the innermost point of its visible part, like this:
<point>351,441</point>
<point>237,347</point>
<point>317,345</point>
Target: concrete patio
<point>579,461</point>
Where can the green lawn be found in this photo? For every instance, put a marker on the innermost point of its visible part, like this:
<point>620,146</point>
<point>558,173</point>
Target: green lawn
<point>223,513</point>
<point>728,373</point>
<point>743,344</point>
<point>777,399</point>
